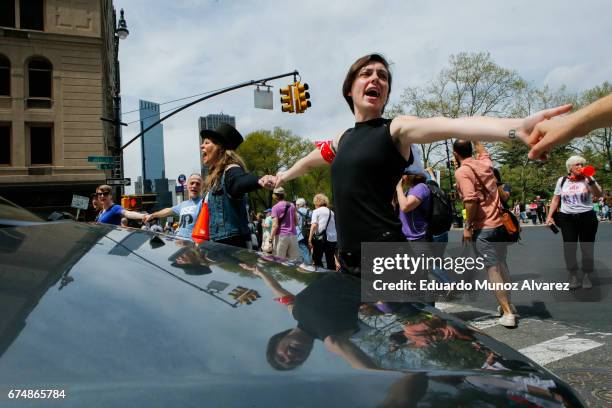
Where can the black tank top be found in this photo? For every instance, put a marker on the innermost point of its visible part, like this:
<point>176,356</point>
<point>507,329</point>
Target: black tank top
<point>365,172</point>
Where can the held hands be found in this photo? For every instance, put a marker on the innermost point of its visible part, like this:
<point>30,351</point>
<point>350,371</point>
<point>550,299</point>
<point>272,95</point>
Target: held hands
<point>148,218</point>
<point>549,134</point>
<point>254,269</point>
<point>268,182</point>
<point>526,131</point>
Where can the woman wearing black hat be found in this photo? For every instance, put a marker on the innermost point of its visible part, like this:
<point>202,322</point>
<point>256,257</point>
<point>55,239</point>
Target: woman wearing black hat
<point>226,185</point>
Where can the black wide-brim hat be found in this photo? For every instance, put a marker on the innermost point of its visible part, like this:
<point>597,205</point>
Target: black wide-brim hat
<point>224,135</point>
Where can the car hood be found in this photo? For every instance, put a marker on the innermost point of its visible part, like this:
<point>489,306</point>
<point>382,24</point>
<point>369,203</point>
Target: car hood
<point>118,316</point>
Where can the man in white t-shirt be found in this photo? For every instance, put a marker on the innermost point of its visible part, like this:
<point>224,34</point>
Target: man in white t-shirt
<point>187,211</point>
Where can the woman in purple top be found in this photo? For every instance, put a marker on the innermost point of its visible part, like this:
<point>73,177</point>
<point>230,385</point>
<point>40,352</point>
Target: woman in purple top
<point>414,204</point>
<point>112,213</point>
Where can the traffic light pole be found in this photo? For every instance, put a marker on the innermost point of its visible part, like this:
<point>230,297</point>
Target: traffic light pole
<point>228,89</point>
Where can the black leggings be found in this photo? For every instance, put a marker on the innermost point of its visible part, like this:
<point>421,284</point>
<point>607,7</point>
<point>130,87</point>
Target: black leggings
<point>327,248</point>
<point>578,228</point>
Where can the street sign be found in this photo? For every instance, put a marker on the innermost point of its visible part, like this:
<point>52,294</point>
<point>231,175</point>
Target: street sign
<point>263,99</point>
<point>79,202</point>
<point>179,189</point>
<point>101,159</point>
<point>182,179</point>
<point>105,166</point>
<point>119,182</point>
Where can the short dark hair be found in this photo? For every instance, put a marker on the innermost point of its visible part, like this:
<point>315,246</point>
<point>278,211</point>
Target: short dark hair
<point>463,148</point>
<point>271,351</point>
<point>352,73</point>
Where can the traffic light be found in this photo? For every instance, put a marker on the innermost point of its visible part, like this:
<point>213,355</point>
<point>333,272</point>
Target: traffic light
<point>287,99</point>
<point>301,97</point>
<point>132,202</point>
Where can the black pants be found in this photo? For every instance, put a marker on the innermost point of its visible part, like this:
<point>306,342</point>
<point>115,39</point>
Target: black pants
<point>319,249</point>
<point>578,228</point>
<point>541,216</point>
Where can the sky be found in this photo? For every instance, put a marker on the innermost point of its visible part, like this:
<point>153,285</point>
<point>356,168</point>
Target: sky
<point>186,47</point>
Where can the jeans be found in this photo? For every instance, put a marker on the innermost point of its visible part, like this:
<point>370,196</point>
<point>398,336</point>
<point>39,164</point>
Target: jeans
<point>305,251</point>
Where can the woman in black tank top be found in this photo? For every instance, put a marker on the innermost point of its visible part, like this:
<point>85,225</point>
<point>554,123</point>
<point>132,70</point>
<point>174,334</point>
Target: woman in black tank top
<point>368,159</point>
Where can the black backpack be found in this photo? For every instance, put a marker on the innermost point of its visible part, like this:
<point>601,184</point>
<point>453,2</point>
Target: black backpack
<point>440,216</point>
<point>306,220</point>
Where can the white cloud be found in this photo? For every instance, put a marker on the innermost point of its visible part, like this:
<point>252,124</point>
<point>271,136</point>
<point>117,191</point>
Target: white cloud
<point>185,47</point>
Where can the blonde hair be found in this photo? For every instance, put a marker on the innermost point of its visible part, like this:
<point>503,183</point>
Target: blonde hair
<point>215,171</point>
<point>320,200</point>
<point>574,160</point>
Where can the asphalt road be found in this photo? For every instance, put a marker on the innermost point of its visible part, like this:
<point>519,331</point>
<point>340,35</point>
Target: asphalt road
<point>569,333</point>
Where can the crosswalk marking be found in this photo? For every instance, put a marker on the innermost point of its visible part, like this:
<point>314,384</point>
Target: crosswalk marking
<point>558,348</point>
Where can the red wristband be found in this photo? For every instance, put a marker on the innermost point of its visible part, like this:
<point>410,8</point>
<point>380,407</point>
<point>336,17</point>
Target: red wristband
<point>327,150</point>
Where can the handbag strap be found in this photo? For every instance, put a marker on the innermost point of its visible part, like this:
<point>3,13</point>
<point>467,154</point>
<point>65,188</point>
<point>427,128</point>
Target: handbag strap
<point>484,189</point>
<point>328,218</point>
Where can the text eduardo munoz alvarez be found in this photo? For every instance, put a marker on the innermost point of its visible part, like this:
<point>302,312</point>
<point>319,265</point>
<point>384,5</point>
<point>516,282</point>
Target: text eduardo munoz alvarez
<point>405,263</point>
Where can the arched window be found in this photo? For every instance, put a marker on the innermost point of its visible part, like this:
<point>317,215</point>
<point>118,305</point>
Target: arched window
<point>39,83</point>
<point>5,76</point>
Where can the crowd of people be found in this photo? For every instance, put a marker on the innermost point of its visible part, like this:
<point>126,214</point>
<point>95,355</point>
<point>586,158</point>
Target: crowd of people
<point>381,192</point>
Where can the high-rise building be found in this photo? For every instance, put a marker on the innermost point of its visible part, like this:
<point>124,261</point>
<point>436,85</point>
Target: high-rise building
<point>151,143</point>
<point>210,122</point>
<point>57,76</point>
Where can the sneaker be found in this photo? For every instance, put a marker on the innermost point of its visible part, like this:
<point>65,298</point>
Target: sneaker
<point>586,282</point>
<point>574,283</point>
<point>508,320</point>
<point>500,312</point>
<point>308,268</point>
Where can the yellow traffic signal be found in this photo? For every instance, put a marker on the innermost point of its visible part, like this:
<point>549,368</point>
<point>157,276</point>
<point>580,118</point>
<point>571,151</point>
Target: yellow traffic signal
<point>244,296</point>
<point>301,97</point>
<point>287,98</point>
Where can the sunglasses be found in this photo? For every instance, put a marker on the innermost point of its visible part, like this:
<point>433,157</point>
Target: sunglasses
<point>103,193</point>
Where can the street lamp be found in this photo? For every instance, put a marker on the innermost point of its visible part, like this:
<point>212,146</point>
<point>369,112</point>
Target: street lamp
<point>121,33</point>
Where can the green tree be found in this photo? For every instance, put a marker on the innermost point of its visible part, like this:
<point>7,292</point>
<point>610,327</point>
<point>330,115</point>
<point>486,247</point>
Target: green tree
<point>267,152</point>
<point>472,84</point>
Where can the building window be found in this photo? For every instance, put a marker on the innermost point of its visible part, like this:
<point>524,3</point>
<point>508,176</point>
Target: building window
<point>7,13</point>
<point>39,83</point>
<point>5,76</point>
<point>32,14</point>
<point>41,145</point>
<point>5,143</point>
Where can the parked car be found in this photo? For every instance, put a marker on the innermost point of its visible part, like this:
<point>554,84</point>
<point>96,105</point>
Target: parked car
<point>118,317</point>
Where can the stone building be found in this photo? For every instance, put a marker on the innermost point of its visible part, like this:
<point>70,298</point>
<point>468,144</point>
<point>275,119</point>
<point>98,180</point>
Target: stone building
<point>57,76</point>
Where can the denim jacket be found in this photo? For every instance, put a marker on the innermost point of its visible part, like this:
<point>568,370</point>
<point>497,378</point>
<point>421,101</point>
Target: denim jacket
<point>227,215</point>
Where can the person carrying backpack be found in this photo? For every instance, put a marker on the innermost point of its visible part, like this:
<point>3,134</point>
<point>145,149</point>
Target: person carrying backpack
<point>304,216</point>
<point>414,205</point>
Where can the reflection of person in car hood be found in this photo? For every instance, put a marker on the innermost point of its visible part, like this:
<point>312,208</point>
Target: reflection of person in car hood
<point>191,260</point>
<point>429,330</point>
<point>327,310</point>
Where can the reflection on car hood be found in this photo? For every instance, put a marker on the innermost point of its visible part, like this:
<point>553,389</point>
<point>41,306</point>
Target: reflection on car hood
<point>115,314</point>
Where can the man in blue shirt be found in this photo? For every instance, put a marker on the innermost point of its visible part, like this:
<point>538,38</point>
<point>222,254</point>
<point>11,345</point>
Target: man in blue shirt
<point>187,211</point>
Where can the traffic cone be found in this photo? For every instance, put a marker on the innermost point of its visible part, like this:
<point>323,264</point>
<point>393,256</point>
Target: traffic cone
<point>200,230</point>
